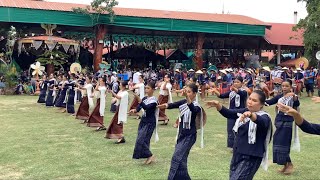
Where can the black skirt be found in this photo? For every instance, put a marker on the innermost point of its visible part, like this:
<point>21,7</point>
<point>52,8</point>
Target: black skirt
<point>179,164</point>
<point>50,98</point>
<point>142,147</point>
<point>70,103</point>
<point>282,142</point>
<point>244,167</point>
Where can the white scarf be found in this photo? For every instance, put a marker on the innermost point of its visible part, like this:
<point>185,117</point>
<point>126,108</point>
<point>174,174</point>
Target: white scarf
<point>75,92</point>
<point>123,106</point>
<point>54,83</point>
<point>185,110</point>
<point>252,135</point>
<point>102,90</point>
<point>150,100</point>
<point>237,97</point>
<point>141,90</point>
<point>288,101</point>
<point>89,94</point>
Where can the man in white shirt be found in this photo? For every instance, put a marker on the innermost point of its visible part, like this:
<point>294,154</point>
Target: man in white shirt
<point>114,77</point>
<point>135,78</point>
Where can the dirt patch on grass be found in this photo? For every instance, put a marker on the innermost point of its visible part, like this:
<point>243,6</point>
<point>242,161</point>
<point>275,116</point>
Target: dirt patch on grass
<point>10,172</point>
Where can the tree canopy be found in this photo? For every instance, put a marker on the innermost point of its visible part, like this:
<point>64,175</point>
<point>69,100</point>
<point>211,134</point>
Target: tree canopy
<point>311,26</point>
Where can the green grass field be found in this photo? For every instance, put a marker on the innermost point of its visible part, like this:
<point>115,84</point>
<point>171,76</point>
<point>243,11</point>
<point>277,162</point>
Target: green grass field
<point>39,143</point>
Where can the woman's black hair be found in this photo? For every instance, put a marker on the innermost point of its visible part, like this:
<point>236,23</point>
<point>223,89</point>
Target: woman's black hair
<point>104,79</point>
<point>152,84</point>
<point>262,96</point>
<point>124,83</point>
<point>289,81</point>
<point>194,79</point>
<point>239,78</point>
<point>141,76</point>
<point>73,75</point>
<point>193,87</point>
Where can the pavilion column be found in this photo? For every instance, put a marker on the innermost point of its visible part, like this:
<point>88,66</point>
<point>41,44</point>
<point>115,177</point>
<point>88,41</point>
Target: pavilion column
<point>100,32</point>
<point>278,54</point>
<point>199,51</point>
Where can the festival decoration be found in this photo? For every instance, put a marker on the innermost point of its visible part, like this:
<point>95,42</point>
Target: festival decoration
<point>37,69</point>
<point>75,68</point>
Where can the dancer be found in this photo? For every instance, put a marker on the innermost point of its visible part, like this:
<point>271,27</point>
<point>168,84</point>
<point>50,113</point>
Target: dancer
<point>139,90</point>
<point>87,101</point>
<point>57,89</point>
<point>237,100</point>
<point>61,101</point>
<point>253,132</point>
<point>164,97</point>
<point>283,134</point>
<point>187,133</point>
<point>97,115</point>
<point>303,124</point>
<point>115,129</point>
<point>51,93</point>
<point>43,89</point>
<point>72,96</point>
<point>147,124</point>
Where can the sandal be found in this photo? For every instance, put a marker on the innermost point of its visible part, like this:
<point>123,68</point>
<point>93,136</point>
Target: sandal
<point>122,140</point>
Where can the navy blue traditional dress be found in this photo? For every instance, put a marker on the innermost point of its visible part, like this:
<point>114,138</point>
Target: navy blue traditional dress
<point>236,101</point>
<point>58,87</point>
<point>187,136</point>
<point>43,92</point>
<point>115,89</point>
<point>62,99</point>
<point>72,98</point>
<point>80,93</point>
<point>250,148</point>
<point>51,93</point>
<point>249,80</point>
<point>147,125</point>
<point>283,134</point>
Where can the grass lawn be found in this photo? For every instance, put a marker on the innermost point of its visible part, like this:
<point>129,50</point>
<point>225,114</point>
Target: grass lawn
<point>38,143</point>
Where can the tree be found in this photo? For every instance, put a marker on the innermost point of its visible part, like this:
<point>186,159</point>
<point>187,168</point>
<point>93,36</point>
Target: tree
<point>95,10</point>
<point>311,27</point>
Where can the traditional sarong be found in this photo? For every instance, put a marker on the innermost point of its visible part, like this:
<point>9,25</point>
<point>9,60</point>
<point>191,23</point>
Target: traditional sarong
<point>282,142</point>
<point>230,139</point>
<point>244,167</point>
<point>57,97</point>
<point>134,105</point>
<point>115,130</point>
<point>50,98</point>
<point>83,111</point>
<point>270,85</point>
<point>61,98</point>
<point>162,112</point>
<point>95,120</point>
<point>42,97</point>
<point>142,147</point>
<point>177,86</point>
<point>70,103</point>
<point>179,165</point>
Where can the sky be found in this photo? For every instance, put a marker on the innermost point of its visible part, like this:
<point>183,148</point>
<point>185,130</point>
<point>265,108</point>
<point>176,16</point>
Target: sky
<point>280,11</point>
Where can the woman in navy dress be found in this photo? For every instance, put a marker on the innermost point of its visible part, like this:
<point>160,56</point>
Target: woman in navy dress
<point>43,90</point>
<point>187,135</point>
<point>303,124</point>
<point>61,101</point>
<point>57,89</point>
<point>283,134</point>
<point>50,97</point>
<point>71,94</point>
<point>237,100</point>
<point>253,132</point>
<point>147,124</point>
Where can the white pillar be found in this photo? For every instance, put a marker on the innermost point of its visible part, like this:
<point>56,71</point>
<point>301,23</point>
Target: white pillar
<point>278,54</point>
